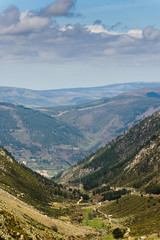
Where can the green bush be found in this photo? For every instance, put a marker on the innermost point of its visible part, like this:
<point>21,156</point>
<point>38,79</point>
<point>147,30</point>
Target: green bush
<point>118,233</point>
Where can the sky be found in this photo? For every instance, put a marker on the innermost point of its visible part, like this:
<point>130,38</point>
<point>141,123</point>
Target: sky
<point>47,44</point>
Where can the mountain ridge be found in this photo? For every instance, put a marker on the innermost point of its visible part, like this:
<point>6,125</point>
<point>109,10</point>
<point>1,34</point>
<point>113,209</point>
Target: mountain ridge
<point>68,96</point>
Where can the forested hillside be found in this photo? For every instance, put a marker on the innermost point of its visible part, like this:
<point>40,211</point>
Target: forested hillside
<point>37,139</point>
<point>131,160</point>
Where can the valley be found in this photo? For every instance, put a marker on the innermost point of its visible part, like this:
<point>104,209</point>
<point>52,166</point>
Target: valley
<point>80,120</point>
<point>85,219</point>
<point>109,193</point>
<point>50,140</point>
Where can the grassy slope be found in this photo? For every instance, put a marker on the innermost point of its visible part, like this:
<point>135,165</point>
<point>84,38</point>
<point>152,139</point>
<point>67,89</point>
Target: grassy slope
<point>31,187</point>
<point>18,218</point>
<point>24,199</point>
<point>140,214</point>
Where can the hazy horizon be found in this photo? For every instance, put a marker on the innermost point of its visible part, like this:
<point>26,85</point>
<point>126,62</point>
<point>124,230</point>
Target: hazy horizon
<point>67,88</point>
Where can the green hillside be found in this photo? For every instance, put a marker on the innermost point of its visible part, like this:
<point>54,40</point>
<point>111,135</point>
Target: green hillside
<point>31,187</point>
<point>32,207</point>
<point>140,214</point>
<point>131,160</point>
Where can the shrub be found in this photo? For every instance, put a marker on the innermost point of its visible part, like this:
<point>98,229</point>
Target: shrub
<point>54,228</point>
<point>117,233</point>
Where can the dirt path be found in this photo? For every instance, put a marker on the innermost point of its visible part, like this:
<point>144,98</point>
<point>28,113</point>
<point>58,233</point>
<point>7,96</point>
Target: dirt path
<point>82,109</point>
<point>79,201</point>
<point>111,224</point>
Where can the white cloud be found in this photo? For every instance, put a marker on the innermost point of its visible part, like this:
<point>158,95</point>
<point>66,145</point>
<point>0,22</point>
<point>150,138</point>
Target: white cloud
<point>27,22</point>
<point>25,36</point>
<point>136,33</point>
<point>65,28</point>
<point>96,28</point>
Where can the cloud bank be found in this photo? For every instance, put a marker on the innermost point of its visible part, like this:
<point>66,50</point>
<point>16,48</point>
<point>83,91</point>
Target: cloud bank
<point>27,37</point>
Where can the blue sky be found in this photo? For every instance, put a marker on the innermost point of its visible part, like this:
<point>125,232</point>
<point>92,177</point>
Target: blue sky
<point>48,44</point>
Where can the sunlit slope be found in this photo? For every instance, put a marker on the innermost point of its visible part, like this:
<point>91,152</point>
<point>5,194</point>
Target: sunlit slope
<point>27,203</point>
<point>30,186</point>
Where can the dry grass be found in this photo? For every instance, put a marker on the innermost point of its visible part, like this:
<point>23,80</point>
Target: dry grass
<point>21,210</point>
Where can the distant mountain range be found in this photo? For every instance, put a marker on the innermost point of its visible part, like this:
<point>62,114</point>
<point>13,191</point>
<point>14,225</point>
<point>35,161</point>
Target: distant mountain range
<point>70,96</point>
<point>131,160</point>
<point>50,140</point>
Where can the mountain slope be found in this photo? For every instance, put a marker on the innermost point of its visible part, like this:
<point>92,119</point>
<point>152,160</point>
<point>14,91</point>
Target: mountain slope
<point>131,160</point>
<point>103,120</point>
<point>24,199</point>
<point>37,138</point>
<point>51,98</point>
<point>140,214</point>
<point>31,187</point>
<point>51,140</point>
<point>20,182</point>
